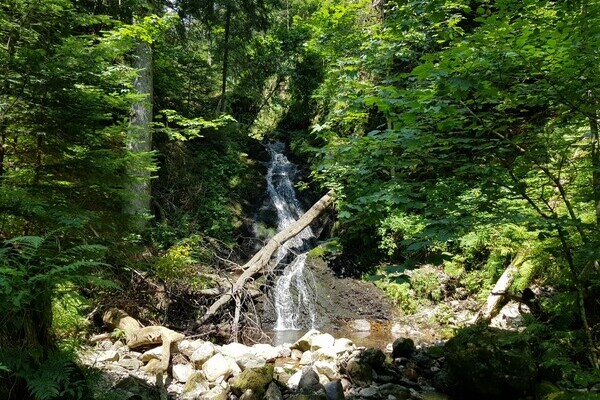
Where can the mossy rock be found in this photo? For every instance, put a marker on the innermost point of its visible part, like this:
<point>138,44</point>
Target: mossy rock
<point>571,396</point>
<point>491,363</point>
<point>256,379</point>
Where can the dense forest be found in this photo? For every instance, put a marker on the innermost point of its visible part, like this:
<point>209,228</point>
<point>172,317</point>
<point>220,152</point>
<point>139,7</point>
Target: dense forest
<point>460,134</point>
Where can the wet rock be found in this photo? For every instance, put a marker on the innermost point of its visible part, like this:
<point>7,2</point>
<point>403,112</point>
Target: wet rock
<point>334,390</point>
<point>403,347</point>
<point>182,372</point>
<point>360,373</point>
<point>422,360</point>
<point>273,392</point>
<point>361,325</point>
<point>255,379</point>
<point>372,356</point>
<point>491,363</point>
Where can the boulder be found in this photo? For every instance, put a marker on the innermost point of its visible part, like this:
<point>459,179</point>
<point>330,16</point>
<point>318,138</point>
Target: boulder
<point>309,381</point>
<point>255,379</point>
<point>273,392</point>
<point>372,356</point>
<point>205,351</point>
<point>218,366</point>
<point>250,361</point>
<point>303,343</point>
<point>342,345</point>
<point>328,368</point>
<point>490,363</point>
<point>294,380</point>
<point>334,390</point>
<point>182,372</point>
<point>359,372</point>
<point>235,350</point>
<point>397,391</point>
<point>403,347</point>
<point>266,351</point>
<point>152,354</point>
<point>320,341</point>
<point>306,358</point>
<point>369,393</point>
<point>187,347</point>
<point>327,353</point>
<point>108,356</point>
<point>196,385</point>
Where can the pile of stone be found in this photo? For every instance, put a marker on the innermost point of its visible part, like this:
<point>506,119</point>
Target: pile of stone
<point>317,366</point>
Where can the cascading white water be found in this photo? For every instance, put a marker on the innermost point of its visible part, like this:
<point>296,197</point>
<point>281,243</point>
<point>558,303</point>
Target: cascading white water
<point>294,294</point>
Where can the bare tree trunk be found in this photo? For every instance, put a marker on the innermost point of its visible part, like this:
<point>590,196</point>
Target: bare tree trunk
<point>491,307</point>
<point>595,166</point>
<point>223,102</point>
<point>139,137</point>
<point>262,258</point>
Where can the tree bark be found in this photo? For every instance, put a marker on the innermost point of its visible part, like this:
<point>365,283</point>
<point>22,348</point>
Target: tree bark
<point>262,258</point>
<point>595,166</point>
<point>139,136</point>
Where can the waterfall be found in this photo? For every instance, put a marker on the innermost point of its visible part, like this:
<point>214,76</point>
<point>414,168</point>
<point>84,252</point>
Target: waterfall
<point>294,292</point>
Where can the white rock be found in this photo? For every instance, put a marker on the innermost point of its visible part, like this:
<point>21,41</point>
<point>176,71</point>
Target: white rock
<point>361,325</point>
<point>306,358</point>
<point>235,369</point>
<point>202,353</point>
<point>303,343</point>
<point>342,345</point>
<point>235,350</point>
<point>327,353</point>
<point>266,351</point>
<point>217,366</point>
<point>182,372</point>
<point>328,368</point>
<point>296,354</point>
<point>195,386</point>
<point>107,356</point>
<point>250,361</point>
<point>188,347</point>
<point>294,380</point>
<point>320,341</point>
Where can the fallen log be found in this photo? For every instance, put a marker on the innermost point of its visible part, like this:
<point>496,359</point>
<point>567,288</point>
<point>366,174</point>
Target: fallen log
<point>491,306</point>
<point>262,258</point>
<point>137,335</point>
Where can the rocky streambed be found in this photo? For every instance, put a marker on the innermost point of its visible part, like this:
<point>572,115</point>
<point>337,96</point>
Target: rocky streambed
<point>317,366</point>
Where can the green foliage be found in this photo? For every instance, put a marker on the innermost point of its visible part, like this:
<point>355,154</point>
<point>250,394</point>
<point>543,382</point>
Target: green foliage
<point>401,294</point>
<point>426,285</point>
<point>68,307</point>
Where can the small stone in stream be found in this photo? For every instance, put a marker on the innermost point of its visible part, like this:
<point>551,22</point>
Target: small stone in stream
<point>273,392</point>
<point>309,381</point>
<point>372,356</point>
<point>334,390</point>
<point>403,347</point>
<point>361,325</point>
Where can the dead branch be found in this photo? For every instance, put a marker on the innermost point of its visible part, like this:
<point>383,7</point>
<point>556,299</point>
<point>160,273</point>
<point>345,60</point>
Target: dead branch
<point>261,259</point>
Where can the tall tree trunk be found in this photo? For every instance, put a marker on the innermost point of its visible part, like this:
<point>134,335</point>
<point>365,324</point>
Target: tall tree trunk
<point>223,102</point>
<point>595,166</point>
<point>139,137</point>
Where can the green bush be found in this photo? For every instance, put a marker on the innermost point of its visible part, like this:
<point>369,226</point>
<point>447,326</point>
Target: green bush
<point>401,294</point>
<point>426,285</point>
